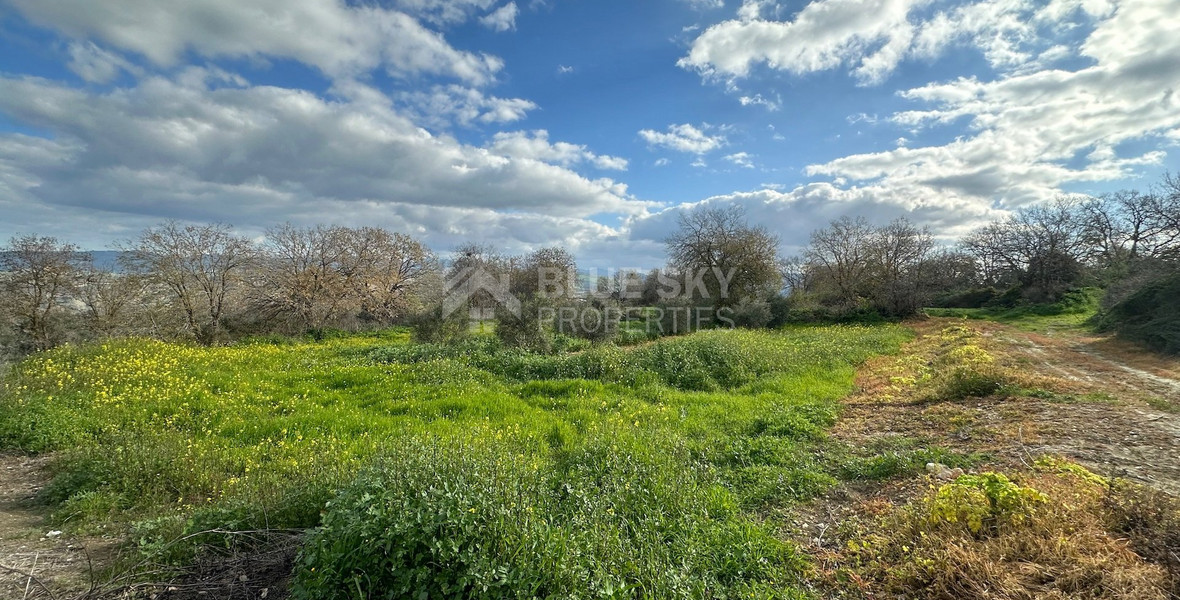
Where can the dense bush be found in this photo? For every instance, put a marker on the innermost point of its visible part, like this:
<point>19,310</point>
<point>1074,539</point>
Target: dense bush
<point>590,320</point>
<point>1150,315</point>
<point>752,314</point>
<point>973,298</point>
<point>435,326</point>
<point>526,331</point>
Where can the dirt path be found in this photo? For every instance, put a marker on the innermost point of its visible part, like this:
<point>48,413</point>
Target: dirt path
<point>1107,404</point>
<point>41,557</point>
<point>1129,427</point>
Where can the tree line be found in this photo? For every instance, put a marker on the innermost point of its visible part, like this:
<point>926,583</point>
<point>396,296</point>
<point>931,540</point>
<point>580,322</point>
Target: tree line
<point>208,284</point>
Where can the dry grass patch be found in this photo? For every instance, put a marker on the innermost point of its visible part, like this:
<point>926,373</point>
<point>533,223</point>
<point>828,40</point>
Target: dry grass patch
<point>1056,531</point>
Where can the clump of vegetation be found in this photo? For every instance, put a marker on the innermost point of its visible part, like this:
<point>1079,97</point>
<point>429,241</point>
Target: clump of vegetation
<point>435,326</point>
<point>890,457</point>
<point>1150,315</point>
<point>962,367</point>
<point>433,519</point>
<point>983,503</point>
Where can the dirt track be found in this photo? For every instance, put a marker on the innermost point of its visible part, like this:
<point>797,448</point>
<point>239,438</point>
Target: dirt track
<point>1116,408</point>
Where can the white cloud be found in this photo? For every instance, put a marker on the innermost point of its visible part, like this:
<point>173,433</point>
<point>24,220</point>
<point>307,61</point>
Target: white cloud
<point>824,35</point>
<point>444,12</point>
<point>338,38</point>
<point>501,19</point>
<point>684,138</point>
<point>443,105</point>
<point>704,4</point>
<point>741,159</point>
<point>794,214</point>
<point>95,65</point>
<point>872,37</point>
<point>535,145</point>
<point>253,156</point>
<point>758,100</point>
<point>1032,133</point>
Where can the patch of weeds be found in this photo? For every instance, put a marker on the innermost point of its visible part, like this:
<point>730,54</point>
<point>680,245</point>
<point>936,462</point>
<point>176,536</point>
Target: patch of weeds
<point>1150,520</point>
<point>1056,464</point>
<point>1065,397</point>
<point>962,368</point>
<point>891,457</point>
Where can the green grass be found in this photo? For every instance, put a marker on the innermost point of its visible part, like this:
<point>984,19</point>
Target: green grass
<point>645,470</point>
<point>1074,313</point>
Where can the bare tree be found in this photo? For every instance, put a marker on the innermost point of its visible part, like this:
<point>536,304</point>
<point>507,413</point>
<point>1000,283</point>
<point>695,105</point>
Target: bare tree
<point>547,272</point>
<point>114,302</point>
<point>391,271</point>
<point>898,255</point>
<point>1043,247</point>
<point>39,273</point>
<point>200,266</point>
<point>311,278</point>
<point>302,279</point>
<point>471,259</point>
<point>1128,226</point>
<point>839,257</point>
<point>733,259</point>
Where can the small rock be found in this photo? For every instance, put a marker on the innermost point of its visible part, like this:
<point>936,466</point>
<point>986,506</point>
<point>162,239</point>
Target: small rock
<point>943,472</point>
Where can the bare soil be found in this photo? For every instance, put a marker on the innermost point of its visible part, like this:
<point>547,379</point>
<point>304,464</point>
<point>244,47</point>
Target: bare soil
<point>35,561</point>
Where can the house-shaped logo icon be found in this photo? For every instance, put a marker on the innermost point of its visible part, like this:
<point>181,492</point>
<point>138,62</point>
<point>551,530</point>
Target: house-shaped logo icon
<point>461,286</point>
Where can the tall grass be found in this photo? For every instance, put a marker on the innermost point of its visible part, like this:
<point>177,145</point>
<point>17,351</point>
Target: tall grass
<point>645,468</point>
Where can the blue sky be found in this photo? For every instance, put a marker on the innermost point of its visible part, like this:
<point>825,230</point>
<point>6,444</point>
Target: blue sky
<point>589,124</point>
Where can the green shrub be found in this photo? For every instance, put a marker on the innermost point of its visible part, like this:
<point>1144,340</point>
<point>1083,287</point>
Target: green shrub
<point>987,500</point>
<point>526,331</point>
<point>434,326</point>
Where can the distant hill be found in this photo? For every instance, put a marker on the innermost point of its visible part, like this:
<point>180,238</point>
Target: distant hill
<point>106,259</point>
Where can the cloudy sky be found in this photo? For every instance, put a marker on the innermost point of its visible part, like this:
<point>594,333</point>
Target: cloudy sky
<point>586,123</point>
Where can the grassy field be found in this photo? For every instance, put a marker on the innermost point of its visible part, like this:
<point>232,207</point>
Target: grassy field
<point>453,471</point>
